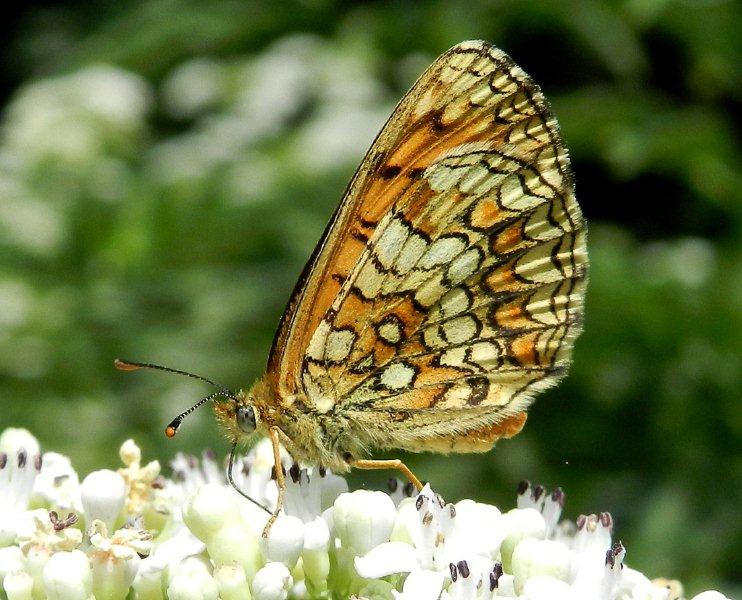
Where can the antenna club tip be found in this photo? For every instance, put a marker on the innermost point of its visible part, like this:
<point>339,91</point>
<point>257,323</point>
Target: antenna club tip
<point>122,365</point>
<point>170,431</point>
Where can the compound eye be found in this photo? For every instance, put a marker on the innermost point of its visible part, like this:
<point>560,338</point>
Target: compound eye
<point>246,418</point>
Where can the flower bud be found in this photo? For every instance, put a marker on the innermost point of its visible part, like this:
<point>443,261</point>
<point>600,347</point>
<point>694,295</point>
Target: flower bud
<point>533,557</point>
<point>285,541</point>
<point>272,582</point>
<point>18,585</point>
<point>232,583</point>
<point>191,580</point>
<point>13,439</point>
<point>543,587</point>
<point>11,560</point>
<point>520,523</point>
<point>208,509</point>
<point>212,515</point>
<point>363,519</point>
<point>67,576</point>
<point>148,582</point>
<point>103,494</point>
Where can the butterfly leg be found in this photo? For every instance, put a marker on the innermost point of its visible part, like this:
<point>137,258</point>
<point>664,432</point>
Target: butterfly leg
<point>395,463</point>
<point>275,434</point>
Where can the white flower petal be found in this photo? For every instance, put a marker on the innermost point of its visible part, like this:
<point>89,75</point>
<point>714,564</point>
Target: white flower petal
<point>232,582</point>
<point>520,523</point>
<point>13,439</point>
<point>18,585</point>
<point>710,595</point>
<point>533,557</point>
<point>272,582</point>
<point>67,576</point>
<point>285,541</point>
<point>363,519</point>
<point>388,558</point>
<point>422,585</point>
<point>316,534</point>
<point>543,587</point>
<point>191,580</point>
<point>103,494</point>
<point>478,530</point>
<point>57,484</point>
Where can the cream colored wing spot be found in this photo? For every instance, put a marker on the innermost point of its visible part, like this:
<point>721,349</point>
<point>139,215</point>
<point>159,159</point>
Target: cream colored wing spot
<point>461,329</point>
<point>316,348</point>
<point>454,302</point>
<point>339,344</point>
<point>484,354</point>
<point>397,376</point>
<point>464,265</point>
<point>390,330</point>
<point>390,242</point>
<point>410,253</point>
<point>369,280</point>
<point>442,251</point>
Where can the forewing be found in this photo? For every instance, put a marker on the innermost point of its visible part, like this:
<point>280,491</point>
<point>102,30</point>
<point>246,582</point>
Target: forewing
<point>449,283</point>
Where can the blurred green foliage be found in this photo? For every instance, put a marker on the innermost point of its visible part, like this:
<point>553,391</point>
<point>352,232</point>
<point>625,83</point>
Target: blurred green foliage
<point>167,166</point>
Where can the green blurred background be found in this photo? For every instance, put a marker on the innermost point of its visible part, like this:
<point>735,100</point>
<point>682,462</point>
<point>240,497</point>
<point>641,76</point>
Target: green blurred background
<point>166,168</point>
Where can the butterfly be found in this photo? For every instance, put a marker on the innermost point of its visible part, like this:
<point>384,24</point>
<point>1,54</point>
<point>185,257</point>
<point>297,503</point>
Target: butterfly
<point>446,291</point>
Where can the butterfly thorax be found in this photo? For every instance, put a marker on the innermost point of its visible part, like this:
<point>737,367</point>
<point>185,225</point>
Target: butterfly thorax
<point>311,437</point>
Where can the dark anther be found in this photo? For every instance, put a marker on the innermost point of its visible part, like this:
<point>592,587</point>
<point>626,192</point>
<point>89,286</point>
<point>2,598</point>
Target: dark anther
<point>322,471</point>
<point>3,460</point>
<point>295,473</point>
<point>60,524</point>
<point>557,495</point>
<point>439,500</point>
<point>392,484</point>
<point>209,453</point>
<point>192,461</point>
<point>610,555</point>
<point>158,483</point>
<point>538,491</point>
<point>409,489</point>
<point>606,520</point>
<point>463,568</point>
<point>37,462</point>
<point>419,502</point>
<point>495,576</point>
<point>523,487</point>
<point>454,574</point>
<point>581,520</point>
<point>427,518</point>
<point>610,558</point>
<point>452,510</point>
<point>22,456</point>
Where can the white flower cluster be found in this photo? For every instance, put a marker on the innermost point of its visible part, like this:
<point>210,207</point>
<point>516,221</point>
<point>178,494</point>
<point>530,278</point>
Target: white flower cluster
<point>133,533</point>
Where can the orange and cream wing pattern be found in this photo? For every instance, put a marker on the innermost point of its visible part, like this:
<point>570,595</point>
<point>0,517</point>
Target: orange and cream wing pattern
<point>449,285</point>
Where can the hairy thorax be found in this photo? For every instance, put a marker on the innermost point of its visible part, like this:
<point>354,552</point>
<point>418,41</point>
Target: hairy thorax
<point>310,437</point>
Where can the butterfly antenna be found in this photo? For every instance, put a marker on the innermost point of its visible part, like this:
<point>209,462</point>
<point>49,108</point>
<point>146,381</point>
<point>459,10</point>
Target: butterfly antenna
<point>172,428</point>
<point>234,485</point>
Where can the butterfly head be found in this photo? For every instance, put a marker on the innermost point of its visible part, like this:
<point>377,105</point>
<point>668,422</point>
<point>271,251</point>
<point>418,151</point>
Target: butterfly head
<point>239,416</point>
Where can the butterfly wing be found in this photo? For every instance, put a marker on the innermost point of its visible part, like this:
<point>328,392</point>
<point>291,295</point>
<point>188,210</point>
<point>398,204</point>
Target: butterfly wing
<point>448,287</point>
